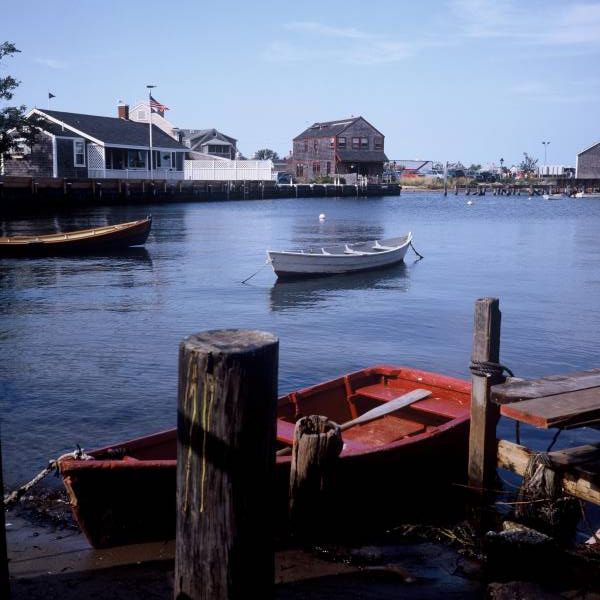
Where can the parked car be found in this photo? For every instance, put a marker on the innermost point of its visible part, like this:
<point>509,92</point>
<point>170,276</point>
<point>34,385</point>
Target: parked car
<point>284,178</point>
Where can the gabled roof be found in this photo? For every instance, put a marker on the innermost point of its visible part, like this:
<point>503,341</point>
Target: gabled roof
<point>588,148</point>
<point>326,128</point>
<point>331,128</point>
<point>361,155</point>
<point>109,130</point>
<point>217,141</point>
<point>202,135</point>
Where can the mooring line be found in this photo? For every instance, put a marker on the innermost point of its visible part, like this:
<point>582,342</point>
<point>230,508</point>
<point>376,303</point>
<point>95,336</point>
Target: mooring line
<point>253,274</point>
<point>415,251</point>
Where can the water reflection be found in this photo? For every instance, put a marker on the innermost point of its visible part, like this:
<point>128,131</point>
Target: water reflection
<point>26,272</point>
<point>305,293</point>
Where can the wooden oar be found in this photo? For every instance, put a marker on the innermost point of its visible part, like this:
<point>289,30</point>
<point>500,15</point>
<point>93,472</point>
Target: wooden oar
<point>379,411</point>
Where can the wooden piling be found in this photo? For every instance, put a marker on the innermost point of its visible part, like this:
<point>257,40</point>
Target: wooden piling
<point>317,445</point>
<point>484,413</point>
<point>225,466</point>
<point>4,581</point>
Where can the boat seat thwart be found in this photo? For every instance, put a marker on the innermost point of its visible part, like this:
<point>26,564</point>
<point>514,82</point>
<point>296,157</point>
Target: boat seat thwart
<point>433,405</point>
<point>378,246</point>
<point>348,250</point>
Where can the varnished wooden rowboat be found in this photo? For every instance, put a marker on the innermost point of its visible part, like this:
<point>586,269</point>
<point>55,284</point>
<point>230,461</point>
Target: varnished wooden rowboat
<point>99,239</point>
<point>126,492</point>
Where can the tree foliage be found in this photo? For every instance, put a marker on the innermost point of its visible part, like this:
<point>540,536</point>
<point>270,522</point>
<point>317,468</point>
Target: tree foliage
<point>528,164</point>
<point>15,129</point>
<point>266,154</point>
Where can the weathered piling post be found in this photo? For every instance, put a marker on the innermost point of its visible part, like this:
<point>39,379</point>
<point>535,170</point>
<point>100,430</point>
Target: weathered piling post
<point>317,445</point>
<point>225,466</point>
<point>484,413</point>
<point>4,582</point>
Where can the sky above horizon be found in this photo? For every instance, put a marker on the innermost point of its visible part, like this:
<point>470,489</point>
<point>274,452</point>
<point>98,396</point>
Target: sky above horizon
<point>468,80</point>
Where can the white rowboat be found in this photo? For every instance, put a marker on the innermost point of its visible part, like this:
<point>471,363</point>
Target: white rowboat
<point>343,258</point>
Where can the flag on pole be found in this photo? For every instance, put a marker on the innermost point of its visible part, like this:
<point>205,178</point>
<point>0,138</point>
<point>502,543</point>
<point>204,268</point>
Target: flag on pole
<point>156,105</point>
<point>51,95</point>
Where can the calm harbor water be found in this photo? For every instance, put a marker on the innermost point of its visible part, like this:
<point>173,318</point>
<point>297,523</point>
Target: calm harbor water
<point>89,344</point>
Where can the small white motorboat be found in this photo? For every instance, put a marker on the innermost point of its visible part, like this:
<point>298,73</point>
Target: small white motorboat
<point>553,196</point>
<point>587,195</point>
<point>343,258</point>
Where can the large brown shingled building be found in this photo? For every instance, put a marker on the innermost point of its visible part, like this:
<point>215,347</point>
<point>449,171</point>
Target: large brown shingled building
<point>346,146</point>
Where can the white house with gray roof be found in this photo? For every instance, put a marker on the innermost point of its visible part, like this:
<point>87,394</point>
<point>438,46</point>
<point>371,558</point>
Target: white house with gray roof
<point>90,146</point>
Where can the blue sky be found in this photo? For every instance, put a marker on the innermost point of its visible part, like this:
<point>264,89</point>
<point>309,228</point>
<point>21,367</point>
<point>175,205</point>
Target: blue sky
<point>468,80</point>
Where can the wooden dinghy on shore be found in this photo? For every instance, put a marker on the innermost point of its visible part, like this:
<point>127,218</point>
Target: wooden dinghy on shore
<point>343,258</point>
<point>99,239</point>
<point>126,493</point>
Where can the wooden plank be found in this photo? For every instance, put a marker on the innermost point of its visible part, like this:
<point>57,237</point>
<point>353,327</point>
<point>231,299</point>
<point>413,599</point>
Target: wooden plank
<point>582,485</point>
<point>384,431</point>
<point>517,391</point>
<point>484,414</point>
<point>445,408</point>
<point>576,457</point>
<point>560,410</point>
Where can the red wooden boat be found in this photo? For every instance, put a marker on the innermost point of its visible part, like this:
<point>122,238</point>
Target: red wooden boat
<point>126,492</point>
<point>106,238</point>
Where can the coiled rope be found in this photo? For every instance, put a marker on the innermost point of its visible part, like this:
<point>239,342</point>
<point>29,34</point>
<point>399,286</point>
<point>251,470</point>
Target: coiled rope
<point>484,368</point>
<point>16,495</point>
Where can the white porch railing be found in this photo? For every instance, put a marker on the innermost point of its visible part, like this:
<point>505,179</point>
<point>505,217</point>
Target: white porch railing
<point>228,170</point>
<point>134,174</point>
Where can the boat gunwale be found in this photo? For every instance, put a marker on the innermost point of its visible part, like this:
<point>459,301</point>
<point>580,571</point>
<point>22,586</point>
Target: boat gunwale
<point>75,235</point>
<point>348,255</point>
<point>453,384</point>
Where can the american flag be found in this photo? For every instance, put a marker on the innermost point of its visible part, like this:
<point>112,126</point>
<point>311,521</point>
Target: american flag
<point>155,104</point>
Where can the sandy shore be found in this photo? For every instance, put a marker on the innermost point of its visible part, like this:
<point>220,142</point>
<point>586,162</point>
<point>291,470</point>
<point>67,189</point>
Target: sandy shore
<point>49,559</point>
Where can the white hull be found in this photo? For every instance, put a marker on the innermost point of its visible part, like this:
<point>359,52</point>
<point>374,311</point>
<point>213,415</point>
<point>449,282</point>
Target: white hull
<point>584,195</point>
<point>347,258</point>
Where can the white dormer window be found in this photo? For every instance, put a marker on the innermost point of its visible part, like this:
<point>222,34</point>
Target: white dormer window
<point>79,153</point>
<point>142,115</point>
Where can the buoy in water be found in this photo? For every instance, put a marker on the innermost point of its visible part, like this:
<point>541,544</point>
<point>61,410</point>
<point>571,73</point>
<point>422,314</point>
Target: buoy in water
<point>470,202</point>
<point>322,217</point>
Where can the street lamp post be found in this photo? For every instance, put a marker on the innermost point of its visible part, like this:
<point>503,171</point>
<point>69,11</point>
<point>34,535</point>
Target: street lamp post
<point>150,125</point>
<point>545,147</point>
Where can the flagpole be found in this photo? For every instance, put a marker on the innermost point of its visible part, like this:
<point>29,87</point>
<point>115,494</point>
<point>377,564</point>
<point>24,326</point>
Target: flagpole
<point>150,125</point>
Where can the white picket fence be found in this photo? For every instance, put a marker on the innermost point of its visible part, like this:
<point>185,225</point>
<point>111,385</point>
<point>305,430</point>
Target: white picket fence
<point>228,170</point>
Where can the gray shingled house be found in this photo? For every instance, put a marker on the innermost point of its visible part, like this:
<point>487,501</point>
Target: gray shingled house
<point>210,141</point>
<point>588,163</point>
<point>81,146</point>
<point>339,147</point>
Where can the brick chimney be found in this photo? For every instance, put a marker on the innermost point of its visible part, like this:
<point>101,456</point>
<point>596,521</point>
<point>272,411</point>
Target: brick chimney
<point>123,111</point>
